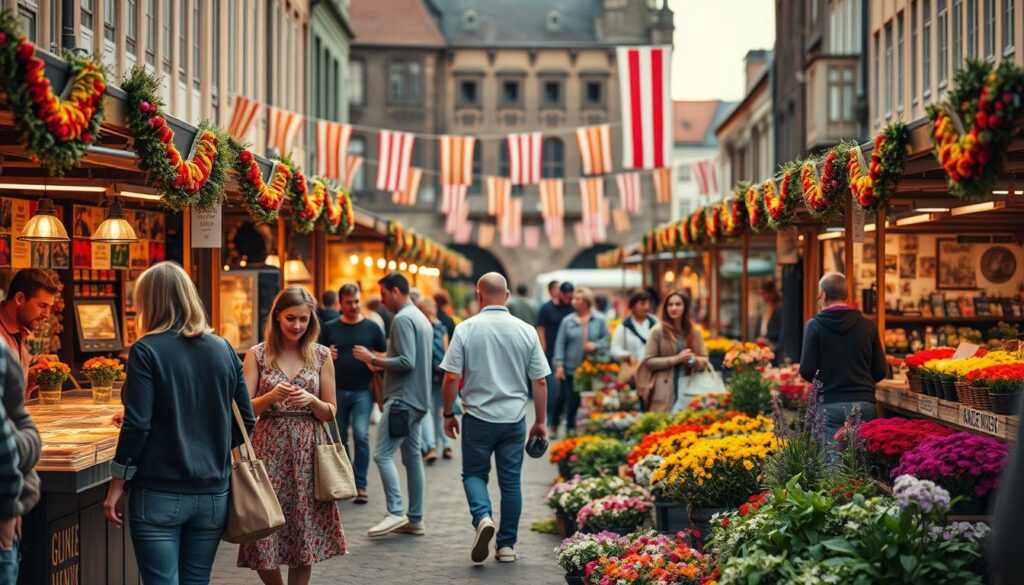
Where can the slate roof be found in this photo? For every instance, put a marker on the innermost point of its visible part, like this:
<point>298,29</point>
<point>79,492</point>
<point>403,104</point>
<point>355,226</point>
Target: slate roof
<point>395,23</point>
<point>521,23</point>
<point>694,122</point>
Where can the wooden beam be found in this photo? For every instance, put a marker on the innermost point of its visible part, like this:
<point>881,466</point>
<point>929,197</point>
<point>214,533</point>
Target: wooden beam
<point>848,266</point>
<point>745,290</point>
<point>880,274</point>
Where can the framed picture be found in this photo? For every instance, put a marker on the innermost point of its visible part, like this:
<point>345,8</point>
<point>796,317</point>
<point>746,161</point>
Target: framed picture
<point>97,325</point>
<point>908,244</point>
<point>955,266</point>
<point>998,264</point>
<point>891,263</point>
<point>938,304</point>
<point>926,267</point>
<point>239,308</point>
<point>908,265</point>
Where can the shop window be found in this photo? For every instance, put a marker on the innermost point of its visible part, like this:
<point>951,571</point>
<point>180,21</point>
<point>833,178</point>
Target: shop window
<point>469,93</point>
<point>404,81</point>
<point>553,158</point>
<point>356,80</point>
<point>552,94</point>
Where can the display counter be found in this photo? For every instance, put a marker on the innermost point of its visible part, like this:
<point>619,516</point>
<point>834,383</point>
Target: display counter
<point>67,539</point>
<point>896,397</point>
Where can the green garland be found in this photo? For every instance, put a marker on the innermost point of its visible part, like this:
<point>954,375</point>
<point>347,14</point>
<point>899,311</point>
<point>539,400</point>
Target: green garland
<point>781,207</point>
<point>263,200</point>
<point>874,186</point>
<point>307,199</point>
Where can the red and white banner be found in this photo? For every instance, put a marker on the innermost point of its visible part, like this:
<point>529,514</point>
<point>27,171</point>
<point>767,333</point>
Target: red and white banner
<point>524,157</point>
<point>282,127</point>
<point>409,195</point>
<point>707,180</point>
<point>595,149</point>
<point>554,229</point>
<point>457,160</point>
<point>394,155</point>
<point>512,224</point>
<point>584,238</point>
<point>621,220</point>
<point>243,116</point>
<point>352,165</point>
<point>531,237</point>
<point>630,194</point>
<point>645,88</point>
<point>591,196</point>
<point>458,213</point>
<point>463,234</point>
<point>552,198</point>
<point>331,148</point>
<point>499,194</point>
<point>662,185</point>
<point>485,235</point>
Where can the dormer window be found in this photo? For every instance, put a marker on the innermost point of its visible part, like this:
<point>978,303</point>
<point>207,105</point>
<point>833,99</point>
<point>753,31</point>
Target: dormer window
<point>469,20</point>
<point>554,21</point>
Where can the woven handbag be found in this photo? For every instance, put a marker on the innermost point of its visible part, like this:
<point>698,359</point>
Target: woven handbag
<point>253,509</point>
<point>333,478</point>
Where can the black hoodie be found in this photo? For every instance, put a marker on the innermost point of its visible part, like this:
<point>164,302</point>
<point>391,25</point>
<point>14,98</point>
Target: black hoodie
<point>843,349</point>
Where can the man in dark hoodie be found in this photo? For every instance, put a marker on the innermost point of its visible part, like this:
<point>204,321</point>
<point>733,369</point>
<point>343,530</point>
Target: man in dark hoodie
<point>842,349</point>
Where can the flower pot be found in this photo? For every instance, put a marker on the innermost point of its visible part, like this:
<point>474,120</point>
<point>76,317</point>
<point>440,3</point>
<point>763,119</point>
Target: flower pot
<point>929,386</point>
<point>563,468</point>
<point>969,506</point>
<point>575,579</point>
<point>700,518</point>
<point>670,517</point>
<point>49,396</point>
<point>882,474</point>
<point>1005,403</point>
<point>101,394</point>
<point>565,524</point>
<point>914,378</point>
<point>949,390</point>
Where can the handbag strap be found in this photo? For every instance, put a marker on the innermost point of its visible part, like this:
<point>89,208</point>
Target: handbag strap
<point>249,452</point>
<point>325,426</point>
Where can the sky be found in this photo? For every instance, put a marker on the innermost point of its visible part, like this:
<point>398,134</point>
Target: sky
<point>711,39</point>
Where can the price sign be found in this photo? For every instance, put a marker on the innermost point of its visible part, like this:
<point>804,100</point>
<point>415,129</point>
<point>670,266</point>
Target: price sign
<point>984,421</point>
<point>965,350</point>
<point>928,406</point>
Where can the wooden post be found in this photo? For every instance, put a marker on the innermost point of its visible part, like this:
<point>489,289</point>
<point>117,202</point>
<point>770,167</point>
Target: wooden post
<point>848,268</point>
<point>744,289</point>
<point>186,242</point>
<point>716,286</point>
<point>880,273</point>
<point>812,272</point>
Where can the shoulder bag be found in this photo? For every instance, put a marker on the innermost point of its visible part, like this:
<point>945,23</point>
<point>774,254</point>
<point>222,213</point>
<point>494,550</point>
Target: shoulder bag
<point>706,381</point>
<point>332,471</point>
<point>253,509</point>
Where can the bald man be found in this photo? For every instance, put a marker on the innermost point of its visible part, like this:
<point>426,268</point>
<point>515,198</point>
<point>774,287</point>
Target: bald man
<point>506,353</point>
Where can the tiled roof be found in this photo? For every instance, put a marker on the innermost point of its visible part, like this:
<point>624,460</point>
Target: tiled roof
<point>519,22</point>
<point>694,122</point>
<point>394,23</point>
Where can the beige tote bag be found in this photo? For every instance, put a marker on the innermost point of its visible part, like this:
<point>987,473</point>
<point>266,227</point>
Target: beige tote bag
<point>253,509</point>
<point>332,471</point>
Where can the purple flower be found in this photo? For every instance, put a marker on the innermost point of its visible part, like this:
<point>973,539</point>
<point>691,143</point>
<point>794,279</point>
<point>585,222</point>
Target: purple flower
<point>910,491</point>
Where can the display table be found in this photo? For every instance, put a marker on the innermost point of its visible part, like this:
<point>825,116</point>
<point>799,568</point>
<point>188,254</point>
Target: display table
<point>896,396</point>
<point>67,539</point>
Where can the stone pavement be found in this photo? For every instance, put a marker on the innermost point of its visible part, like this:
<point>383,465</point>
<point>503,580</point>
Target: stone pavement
<point>442,556</point>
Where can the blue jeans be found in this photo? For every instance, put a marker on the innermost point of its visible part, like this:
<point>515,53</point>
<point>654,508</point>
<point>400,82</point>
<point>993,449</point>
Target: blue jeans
<point>554,391</point>
<point>355,406</point>
<point>566,403</point>
<point>412,459</point>
<point>9,561</point>
<point>506,441</point>
<point>175,536</point>
<point>433,424</point>
<point>836,413</point>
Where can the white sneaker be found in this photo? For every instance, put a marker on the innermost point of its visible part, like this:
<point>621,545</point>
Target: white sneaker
<point>482,543</point>
<point>414,528</point>
<point>506,554</point>
<point>388,525</point>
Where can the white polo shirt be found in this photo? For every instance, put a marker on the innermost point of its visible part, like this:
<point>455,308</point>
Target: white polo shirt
<point>497,356</point>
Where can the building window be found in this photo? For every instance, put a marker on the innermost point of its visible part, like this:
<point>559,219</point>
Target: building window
<point>55,40</point>
<point>511,96</point>
<point>27,17</point>
<point>593,94</point>
<point>86,6</point>
<point>196,43</point>
<point>913,51</point>
<point>151,32</point>
<point>972,28</point>
<point>899,62</point>
<point>833,90</point>
<point>356,79</point>
<point>404,81</point>
<point>182,37</point>
<point>215,46</point>
<point>990,29</point>
<point>553,158</point>
<point>469,93</point>
<point>110,15</point>
<point>357,147</point>
<point>551,96</point>
<point>958,36</point>
<point>132,34</point>
<point>166,44</point>
<point>888,70</point>
<point>841,89</point>
<point>245,47</point>
<point>1008,26</point>
<point>926,49</point>
<point>943,23</point>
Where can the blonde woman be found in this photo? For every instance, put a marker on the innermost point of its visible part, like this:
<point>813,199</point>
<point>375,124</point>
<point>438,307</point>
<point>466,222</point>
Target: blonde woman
<point>580,333</point>
<point>675,349</point>
<point>433,437</point>
<point>291,381</point>
<point>174,452</point>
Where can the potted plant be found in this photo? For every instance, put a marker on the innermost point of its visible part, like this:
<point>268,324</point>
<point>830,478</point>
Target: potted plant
<point>916,361</point>
<point>102,372</point>
<point>600,457</point>
<point>50,376</point>
<point>568,498</point>
<point>653,559</point>
<point>579,550</point>
<point>1005,383</point>
<point>615,513</point>
<point>717,347</point>
<point>885,440</point>
<point>562,452</point>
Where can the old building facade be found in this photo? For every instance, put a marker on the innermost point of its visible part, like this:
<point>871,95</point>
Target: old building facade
<point>694,125</point>
<point>745,136</point>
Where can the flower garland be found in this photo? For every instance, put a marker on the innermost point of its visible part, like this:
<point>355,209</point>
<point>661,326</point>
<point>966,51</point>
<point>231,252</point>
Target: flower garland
<point>695,225</point>
<point>757,219</point>
<point>338,216</point>
<point>780,204</point>
<point>975,124</point>
<point>823,196</point>
<point>712,221</point>
<point>55,132</point>
<point>734,216</point>
<point>682,229</point>
<point>348,212</point>
<point>307,203</point>
<point>182,183</point>
<point>263,200</point>
<point>888,157</point>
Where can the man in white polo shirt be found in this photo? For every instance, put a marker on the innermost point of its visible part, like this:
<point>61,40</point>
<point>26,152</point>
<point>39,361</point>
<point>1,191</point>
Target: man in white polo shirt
<point>499,357</point>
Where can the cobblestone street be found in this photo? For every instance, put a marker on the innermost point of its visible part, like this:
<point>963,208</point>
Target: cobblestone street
<point>442,556</point>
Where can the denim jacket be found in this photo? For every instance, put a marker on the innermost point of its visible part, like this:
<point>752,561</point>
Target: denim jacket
<point>569,343</point>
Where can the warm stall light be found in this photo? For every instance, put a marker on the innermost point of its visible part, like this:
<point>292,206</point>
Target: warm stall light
<point>273,260</point>
<point>115,229</point>
<point>831,235</point>
<point>295,271</point>
<point>915,219</point>
<point>392,265</point>
<point>402,266</point>
<point>242,263</point>
<point>382,263</point>
<point>800,238</point>
<point>414,269</point>
<point>1006,192</point>
<point>143,196</point>
<point>353,259</point>
<point>367,261</point>
<point>54,188</point>
<point>977,207</point>
<point>932,209</point>
<point>44,225</point>
<point>670,276</point>
<point>227,268</point>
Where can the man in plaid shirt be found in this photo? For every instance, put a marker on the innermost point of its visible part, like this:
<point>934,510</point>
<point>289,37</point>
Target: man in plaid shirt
<point>10,508</point>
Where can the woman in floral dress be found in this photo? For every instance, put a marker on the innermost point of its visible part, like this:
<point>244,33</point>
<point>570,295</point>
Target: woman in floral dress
<point>291,381</point>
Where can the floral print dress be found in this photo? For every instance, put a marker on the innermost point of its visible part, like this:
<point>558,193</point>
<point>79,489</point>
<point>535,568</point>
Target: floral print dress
<point>285,440</point>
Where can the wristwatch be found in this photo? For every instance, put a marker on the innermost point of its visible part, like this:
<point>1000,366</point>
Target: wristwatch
<point>449,415</point>
<point>373,361</point>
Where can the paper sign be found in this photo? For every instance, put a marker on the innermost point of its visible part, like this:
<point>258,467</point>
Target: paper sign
<point>858,225</point>
<point>21,253</point>
<point>928,405</point>
<point>207,228</point>
<point>100,256</point>
<point>984,421</point>
<point>965,350</point>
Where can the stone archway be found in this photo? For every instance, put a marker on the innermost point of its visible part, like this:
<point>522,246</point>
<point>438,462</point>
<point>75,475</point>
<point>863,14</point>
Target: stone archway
<point>483,260</point>
<point>587,258</point>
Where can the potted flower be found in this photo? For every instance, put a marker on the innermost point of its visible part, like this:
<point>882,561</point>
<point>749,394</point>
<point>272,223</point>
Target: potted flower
<point>717,348</point>
<point>577,551</point>
<point>600,457</point>
<point>652,559</point>
<point>568,498</point>
<point>616,513</point>
<point>885,440</point>
<point>1005,383</point>
<point>916,360</point>
<point>964,464</point>
<point>50,376</point>
<point>561,452</point>
<point>102,372</point>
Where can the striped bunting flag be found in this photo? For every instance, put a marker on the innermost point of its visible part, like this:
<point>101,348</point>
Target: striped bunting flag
<point>630,194</point>
<point>524,157</point>
<point>644,85</point>
<point>512,224</point>
<point>662,185</point>
<point>595,149</point>
<point>552,198</point>
<point>352,165</point>
<point>464,233</point>
<point>458,214</point>
<point>394,152</point>
<point>707,181</point>
<point>243,116</point>
<point>621,220</point>
<point>282,128</point>
<point>456,163</point>
<point>531,237</point>
<point>331,148</point>
<point>554,229</point>
<point>592,196</point>
<point>409,195</point>
<point>485,235</point>
<point>499,193</point>
<point>583,236</point>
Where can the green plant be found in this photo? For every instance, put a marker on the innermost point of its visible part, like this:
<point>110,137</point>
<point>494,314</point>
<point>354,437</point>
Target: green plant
<point>545,526</point>
<point>647,423</point>
<point>600,457</point>
<point>749,392</point>
<point>801,448</point>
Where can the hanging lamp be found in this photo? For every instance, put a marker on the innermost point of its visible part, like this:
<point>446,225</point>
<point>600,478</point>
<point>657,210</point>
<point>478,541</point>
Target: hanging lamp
<point>115,229</point>
<point>44,226</point>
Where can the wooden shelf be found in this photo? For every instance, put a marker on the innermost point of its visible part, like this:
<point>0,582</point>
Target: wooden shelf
<point>945,320</point>
<point>896,396</point>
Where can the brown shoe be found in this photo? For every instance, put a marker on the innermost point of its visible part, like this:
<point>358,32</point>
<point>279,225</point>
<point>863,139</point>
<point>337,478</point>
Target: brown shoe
<point>447,454</point>
<point>361,497</point>
<point>430,457</point>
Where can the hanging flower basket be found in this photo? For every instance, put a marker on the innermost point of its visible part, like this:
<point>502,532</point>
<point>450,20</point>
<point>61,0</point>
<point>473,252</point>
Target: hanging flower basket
<point>873,187</point>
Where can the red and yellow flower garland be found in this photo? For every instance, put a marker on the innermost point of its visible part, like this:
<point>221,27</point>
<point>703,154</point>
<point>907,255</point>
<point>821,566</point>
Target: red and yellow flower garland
<point>780,204</point>
<point>338,216</point>
<point>307,202</point>
<point>696,227</point>
<point>712,221</point>
<point>756,218</point>
<point>734,217</point>
<point>262,199</point>
<point>823,196</point>
<point>872,191</point>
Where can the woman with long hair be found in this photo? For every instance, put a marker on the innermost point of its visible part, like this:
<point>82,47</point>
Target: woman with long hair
<point>434,440</point>
<point>580,333</point>
<point>291,381</point>
<point>174,452</point>
<point>675,349</point>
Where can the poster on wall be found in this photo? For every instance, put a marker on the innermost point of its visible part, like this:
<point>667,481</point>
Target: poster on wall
<point>956,270</point>
<point>21,252</point>
<point>908,265</point>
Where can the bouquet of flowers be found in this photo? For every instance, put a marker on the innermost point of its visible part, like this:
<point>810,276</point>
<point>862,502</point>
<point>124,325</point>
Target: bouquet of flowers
<point>748,355</point>
<point>569,497</point>
<point>577,551</point>
<point>51,375</point>
<point>652,559</point>
<point>718,346</point>
<point>617,513</point>
<point>600,457</point>
<point>616,396</point>
<point>961,463</point>
<point>652,442</point>
<point>102,371</point>
<point>594,367</point>
<point>887,439</point>
<point>564,448</point>
<point>716,472</point>
<point>618,422</point>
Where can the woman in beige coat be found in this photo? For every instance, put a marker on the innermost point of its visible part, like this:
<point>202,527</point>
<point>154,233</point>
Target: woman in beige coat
<point>674,349</point>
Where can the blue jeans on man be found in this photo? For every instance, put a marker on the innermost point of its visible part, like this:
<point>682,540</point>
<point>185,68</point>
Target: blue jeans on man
<point>506,441</point>
<point>412,459</point>
<point>9,561</point>
<point>433,423</point>
<point>836,414</point>
<point>355,408</point>
<point>175,536</point>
